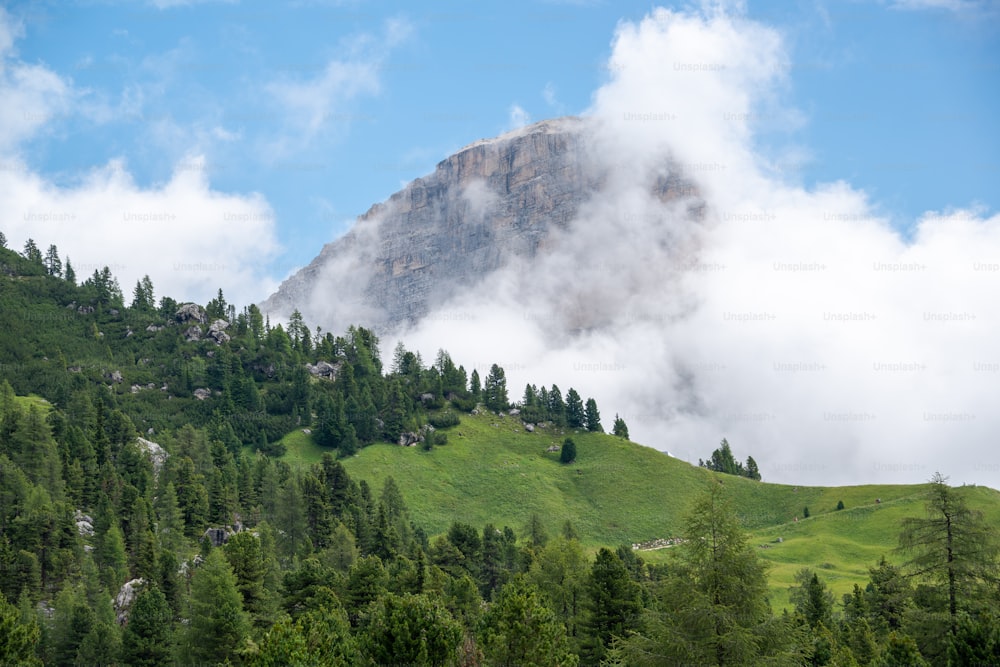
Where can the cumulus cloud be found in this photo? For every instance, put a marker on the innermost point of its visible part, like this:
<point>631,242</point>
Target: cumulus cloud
<point>798,323</point>
<point>188,237</point>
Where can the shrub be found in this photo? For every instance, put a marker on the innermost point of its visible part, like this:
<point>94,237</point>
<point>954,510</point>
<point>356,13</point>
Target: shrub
<point>444,419</point>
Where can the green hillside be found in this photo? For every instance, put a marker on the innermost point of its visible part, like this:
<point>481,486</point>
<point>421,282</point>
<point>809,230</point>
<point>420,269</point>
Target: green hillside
<point>617,491</point>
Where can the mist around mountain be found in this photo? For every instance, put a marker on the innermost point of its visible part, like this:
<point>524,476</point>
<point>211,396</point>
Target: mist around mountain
<point>659,254</point>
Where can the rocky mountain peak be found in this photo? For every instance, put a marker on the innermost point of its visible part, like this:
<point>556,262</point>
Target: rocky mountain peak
<point>492,201</point>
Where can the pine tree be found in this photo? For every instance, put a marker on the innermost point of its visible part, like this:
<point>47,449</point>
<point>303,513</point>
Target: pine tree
<point>753,472</point>
<point>953,546</point>
<point>495,389</point>
<point>70,273</point>
<point>620,429</point>
<point>519,629</point>
<point>575,415</point>
<point>53,265</point>
<point>18,639</point>
<point>31,252</point>
<point>614,603</point>
<point>592,418</point>
<point>218,624</point>
<point>410,630</point>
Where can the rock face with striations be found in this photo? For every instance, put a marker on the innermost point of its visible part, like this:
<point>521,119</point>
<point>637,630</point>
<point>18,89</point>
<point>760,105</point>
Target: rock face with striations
<point>493,200</point>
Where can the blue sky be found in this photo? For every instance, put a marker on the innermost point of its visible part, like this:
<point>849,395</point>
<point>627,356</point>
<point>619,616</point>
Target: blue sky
<point>326,108</point>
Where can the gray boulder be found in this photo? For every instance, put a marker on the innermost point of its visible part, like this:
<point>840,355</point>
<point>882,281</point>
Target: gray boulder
<point>191,313</point>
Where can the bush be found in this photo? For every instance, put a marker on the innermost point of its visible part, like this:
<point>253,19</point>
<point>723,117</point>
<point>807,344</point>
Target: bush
<point>445,419</point>
<point>568,452</point>
<point>464,404</point>
<point>840,504</point>
<point>805,512</point>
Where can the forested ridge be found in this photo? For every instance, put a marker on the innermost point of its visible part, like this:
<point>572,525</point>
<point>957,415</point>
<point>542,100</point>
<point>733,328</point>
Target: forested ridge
<point>147,516</point>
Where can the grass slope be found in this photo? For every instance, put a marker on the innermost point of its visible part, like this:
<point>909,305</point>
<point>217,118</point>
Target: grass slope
<point>618,492</point>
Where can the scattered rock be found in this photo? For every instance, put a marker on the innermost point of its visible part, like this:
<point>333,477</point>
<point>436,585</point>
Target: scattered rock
<point>307,431</point>
<point>128,333</point>
<point>157,454</point>
<point>85,310</point>
<point>201,394</point>
<point>191,312</point>
<point>324,369</point>
<point>218,536</point>
<point>113,312</point>
<point>126,596</point>
<point>553,448</point>
<point>409,439</point>
<point>217,331</point>
<point>530,428</point>
<point>84,524</point>
<point>659,543</point>
<point>74,369</point>
<point>152,328</point>
<point>514,412</point>
<point>192,334</point>
<point>114,376</point>
<point>426,397</point>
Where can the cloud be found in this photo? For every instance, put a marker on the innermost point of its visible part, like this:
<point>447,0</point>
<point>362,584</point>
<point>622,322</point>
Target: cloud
<point>323,105</point>
<point>188,237</point>
<point>798,323</point>
<point>31,94</point>
<point>517,117</point>
<point>549,95</point>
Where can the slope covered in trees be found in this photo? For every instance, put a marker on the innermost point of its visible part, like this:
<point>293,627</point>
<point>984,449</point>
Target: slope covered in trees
<point>149,513</point>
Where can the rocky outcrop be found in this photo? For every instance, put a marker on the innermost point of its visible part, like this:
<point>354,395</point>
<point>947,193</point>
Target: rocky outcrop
<point>156,453</point>
<point>217,332</point>
<point>125,598</point>
<point>493,201</point>
<point>324,369</point>
<point>191,313</point>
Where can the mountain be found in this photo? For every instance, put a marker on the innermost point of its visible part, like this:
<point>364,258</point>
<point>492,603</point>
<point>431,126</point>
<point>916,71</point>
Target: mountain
<point>493,201</point>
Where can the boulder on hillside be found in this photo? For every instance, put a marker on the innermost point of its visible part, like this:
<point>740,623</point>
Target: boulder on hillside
<point>191,313</point>
<point>192,334</point>
<point>157,454</point>
<point>217,331</point>
<point>126,596</point>
<point>201,394</point>
<point>324,369</point>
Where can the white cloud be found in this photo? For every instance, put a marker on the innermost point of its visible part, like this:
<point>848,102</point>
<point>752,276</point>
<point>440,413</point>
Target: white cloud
<point>325,103</point>
<point>189,238</point>
<point>795,322</point>
<point>517,117</point>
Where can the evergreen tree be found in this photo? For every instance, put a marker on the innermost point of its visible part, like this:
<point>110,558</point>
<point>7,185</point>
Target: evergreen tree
<point>614,602</point>
<point>70,274</point>
<point>575,415</point>
<point>557,408</point>
<point>567,453</point>
<point>146,640</point>
<point>495,389</point>
<point>519,629</point>
<point>218,624</point>
<point>953,546</point>
<point>18,640</point>
<point>409,630</point>
<point>475,388</point>
<point>31,252</point>
<point>620,429</point>
<point>713,609</point>
<point>751,471</point>
<point>592,418</point>
<point>811,598</point>
<point>251,565</point>
<point>53,265</point>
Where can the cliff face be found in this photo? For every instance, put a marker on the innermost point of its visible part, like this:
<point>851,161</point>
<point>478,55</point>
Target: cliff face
<point>492,201</point>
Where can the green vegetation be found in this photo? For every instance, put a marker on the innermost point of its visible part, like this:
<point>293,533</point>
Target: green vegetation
<point>290,501</point>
